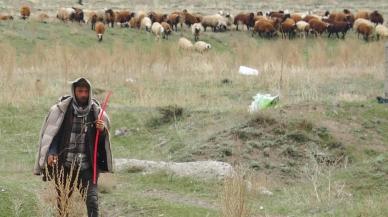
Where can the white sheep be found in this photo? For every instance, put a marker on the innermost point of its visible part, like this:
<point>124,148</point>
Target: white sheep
<point>185,44</point>
<point>65,13</point>
<point>215,21</point>
<point>381,31</point>
<point>201,46</point>
<point>146,23</point>
<point>302,27</point>
<point>196,29</point>
<point>88,15</point>
<point>157,29</point>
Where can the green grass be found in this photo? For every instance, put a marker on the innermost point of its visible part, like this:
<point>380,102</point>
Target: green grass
<point>209,107</point>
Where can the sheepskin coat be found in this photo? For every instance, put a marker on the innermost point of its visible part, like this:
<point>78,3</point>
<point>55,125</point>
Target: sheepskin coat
<point>52,125</point>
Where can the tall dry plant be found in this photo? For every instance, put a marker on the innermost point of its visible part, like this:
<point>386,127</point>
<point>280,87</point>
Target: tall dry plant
<point>61,197</point>
<point>234,195</point>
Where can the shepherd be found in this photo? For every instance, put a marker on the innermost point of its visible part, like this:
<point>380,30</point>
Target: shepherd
<point>67,141</point>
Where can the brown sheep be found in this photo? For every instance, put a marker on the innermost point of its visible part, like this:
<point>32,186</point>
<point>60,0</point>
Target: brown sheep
<point>362,14</point>
<point>167,30</point>
<point>110,17</point>
<point>245,19</point>
<point>174,19</point>
<point>365,30</point>
<point>296,17</point>
<point>190,19</point>
<point>288,27</point>
<point>77,16</point>
<point>123,17</point>
<point>338,26</point>
<point>181,17</point>
<point>376,17</point>
<point>307,18</point>
<point>6,17</point>
<point>25,12</point>
<point>265,27</point>
<point>317,26</point>
<point>276,14</point>
<point>157,17</point>
<point>100,29</point>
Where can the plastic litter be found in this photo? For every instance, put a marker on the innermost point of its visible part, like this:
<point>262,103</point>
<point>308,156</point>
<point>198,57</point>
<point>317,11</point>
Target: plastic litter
<point>262,101</point>
<point>248,71</point>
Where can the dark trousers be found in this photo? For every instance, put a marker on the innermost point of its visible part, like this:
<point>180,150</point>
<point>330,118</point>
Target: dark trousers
<point>84,184</point>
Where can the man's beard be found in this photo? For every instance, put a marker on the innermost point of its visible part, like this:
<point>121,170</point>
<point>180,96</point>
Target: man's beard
<point>83,101</point>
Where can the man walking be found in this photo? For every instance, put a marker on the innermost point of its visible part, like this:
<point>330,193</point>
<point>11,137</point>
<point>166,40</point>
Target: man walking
<point>67,142</point>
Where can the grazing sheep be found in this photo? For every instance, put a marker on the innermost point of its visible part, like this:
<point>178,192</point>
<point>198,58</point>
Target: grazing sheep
<point>25,12</point>
<point>196,29</point>
<point>276,14</point>
<point>359,21</point>
<point>303,28</point>
<point>174,19</point>
<point>110,17</point>
<point>88,15</point>
<point>341,17</point>
<point>77,16</point>
<point>167,29</point>
<point>157,29</point>
<point>123,17</point>
<point>98,16</point>
<point>201,46</point>
<point>310,17</point>
<point>135,22</point>
<point>100,29</point>
<point>362,14</point>
<point>245,19</point>
<point>339,26</point>
<point>288,27</point>
<point>216,22</point>
<point>65,14</point>
<point>296,17</point>
<point>265,27</point>
<point>376,17</point>
<point>6,17</point>
<point>365,30</point>
<point>181,17</point>
<point>381,31</point>
<point>155,17</point>
<point>229,20</point>
<point>146,24</point>
<point>317,26</point>
<point>190,19</point>
<point>185,44</point>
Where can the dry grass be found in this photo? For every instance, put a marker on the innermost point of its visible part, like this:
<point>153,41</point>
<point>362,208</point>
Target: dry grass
<point>298,70</point>
<point>72,198</point>
<point>234,195</point>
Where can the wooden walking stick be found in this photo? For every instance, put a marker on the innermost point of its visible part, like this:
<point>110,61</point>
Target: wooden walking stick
<point>98,137</point>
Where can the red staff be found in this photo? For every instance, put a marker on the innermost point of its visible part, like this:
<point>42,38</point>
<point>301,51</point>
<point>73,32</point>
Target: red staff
<point>98,138</point>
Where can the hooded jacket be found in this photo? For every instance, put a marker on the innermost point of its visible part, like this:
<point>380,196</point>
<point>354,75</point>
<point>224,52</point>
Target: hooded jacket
<point>53,123</point>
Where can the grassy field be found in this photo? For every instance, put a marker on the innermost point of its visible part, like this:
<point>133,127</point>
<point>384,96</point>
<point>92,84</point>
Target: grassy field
<point>327,91</point>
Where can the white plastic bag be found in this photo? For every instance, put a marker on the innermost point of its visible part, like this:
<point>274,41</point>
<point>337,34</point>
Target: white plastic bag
<point>248,71</point>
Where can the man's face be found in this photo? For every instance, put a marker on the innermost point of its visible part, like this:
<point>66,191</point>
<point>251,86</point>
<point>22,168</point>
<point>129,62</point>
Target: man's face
<point>82,95</point>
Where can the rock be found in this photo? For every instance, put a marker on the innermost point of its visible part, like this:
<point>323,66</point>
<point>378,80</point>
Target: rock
<point>265,191</point>
<point>121,131</point>
<point>197,169</point>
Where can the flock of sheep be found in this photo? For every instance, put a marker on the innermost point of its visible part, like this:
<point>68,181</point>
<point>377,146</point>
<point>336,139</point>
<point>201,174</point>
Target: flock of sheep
<point>370,25</point>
